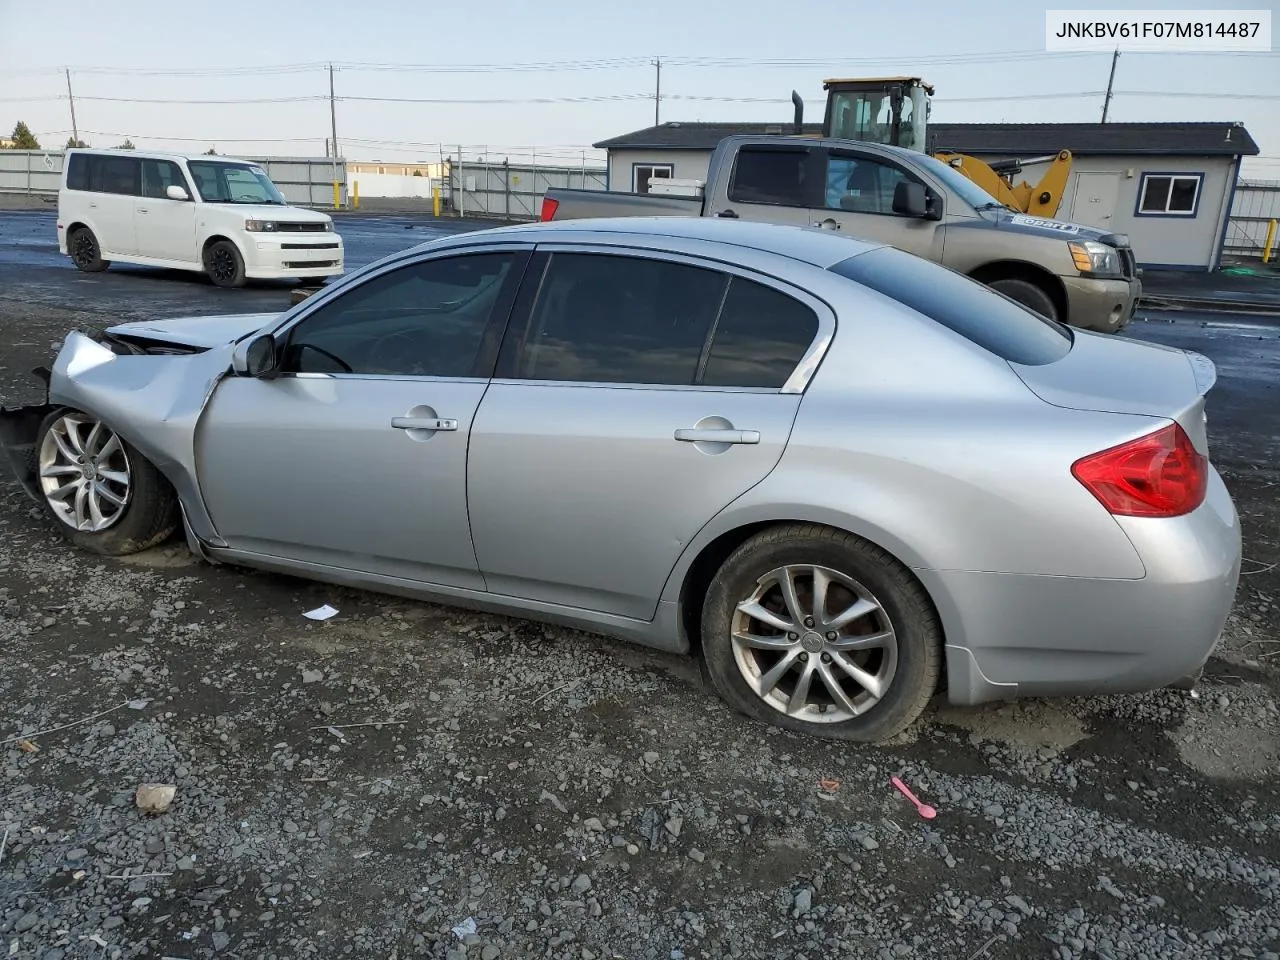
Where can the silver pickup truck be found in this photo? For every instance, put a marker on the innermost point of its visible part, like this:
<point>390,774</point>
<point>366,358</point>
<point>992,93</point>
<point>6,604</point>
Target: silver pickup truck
<point>1072,273</point>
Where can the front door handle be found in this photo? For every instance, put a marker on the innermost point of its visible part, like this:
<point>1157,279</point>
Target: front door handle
<point>423,423</point>
<point>729,214</point>
<point>830,224</point>
<point>142,209</point>
<point>696,435</point>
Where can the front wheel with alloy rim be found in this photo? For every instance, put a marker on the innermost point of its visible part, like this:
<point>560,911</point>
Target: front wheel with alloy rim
<point>815,630</point>
<point>103,494</point>
<point>224,265</point>
<point>85,252</point>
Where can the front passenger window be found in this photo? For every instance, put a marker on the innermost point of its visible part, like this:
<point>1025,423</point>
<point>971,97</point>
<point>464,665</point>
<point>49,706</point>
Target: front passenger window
<point>427,319</point>
<point>858,184</point>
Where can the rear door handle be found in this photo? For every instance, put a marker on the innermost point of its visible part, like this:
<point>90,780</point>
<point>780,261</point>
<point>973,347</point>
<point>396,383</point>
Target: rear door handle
<point>423,423</point>
<point>830,224</point>
<point>728,214</point>
<point>142,209</point>
<point>696,435</point>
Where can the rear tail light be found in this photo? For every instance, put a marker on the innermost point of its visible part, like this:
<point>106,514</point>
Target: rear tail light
<point>1159,475</point>
<point>549,207</point>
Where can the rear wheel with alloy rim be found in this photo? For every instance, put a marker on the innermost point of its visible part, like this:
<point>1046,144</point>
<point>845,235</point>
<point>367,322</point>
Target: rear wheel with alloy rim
<point>816,630</point>
<point>105,496</point>
<point>85,252</point>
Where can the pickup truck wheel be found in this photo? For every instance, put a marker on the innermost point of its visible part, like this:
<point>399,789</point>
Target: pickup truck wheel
<point>85,252</point>
<point>1027,294</point>
<point>224,265</point>
<point>817,631</point>
<point>102,494</point>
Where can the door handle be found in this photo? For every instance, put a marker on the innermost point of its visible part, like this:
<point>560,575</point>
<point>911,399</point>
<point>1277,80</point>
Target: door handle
<point>142,209</point>
<point>729,214</point>
<point>696,435</point>
<point>830,224</point>
<point>423,423</point>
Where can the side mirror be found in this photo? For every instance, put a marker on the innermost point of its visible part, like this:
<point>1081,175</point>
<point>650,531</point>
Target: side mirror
<point>175,192</point>
<point>255,357</point>
<point>910,199</point>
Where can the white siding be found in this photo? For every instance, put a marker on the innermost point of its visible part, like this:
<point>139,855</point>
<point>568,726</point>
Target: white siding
<point>685,164</point>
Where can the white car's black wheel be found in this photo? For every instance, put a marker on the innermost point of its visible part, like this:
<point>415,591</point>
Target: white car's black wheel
<point>85,252</point>
<point>103,494</point>
<point>224,265</point>
<point>818,631</point>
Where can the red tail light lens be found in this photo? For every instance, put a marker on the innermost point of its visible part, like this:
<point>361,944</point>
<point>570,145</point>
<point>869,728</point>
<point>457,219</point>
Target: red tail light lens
<point>549,207</point>
<point>1159,475</point>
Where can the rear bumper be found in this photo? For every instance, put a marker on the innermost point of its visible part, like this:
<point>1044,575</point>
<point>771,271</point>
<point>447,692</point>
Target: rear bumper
<point>1103,305</point>
<point>1011,635</point>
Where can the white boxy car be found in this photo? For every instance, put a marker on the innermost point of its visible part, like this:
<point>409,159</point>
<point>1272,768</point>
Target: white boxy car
<point>214,215</point>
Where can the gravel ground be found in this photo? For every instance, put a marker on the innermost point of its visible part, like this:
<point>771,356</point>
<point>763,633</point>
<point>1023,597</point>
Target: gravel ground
<point>406,780</point>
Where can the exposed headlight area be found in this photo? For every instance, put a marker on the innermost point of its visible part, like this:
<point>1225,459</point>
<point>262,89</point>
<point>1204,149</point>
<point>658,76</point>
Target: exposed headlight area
<point>1095,259</point>
<point>261,226</point>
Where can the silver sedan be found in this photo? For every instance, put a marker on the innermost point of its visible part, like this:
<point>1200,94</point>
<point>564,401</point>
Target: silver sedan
<point>846,478</point>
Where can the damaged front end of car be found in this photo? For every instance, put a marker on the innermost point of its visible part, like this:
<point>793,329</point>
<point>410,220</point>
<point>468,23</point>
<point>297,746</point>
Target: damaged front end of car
<point>150,391</point>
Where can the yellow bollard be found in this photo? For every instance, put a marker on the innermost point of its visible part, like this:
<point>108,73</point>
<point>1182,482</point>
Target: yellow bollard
<point>337,196</point>
<point>1271,239</point>
<point>355,194</point>
<point>435,201</point>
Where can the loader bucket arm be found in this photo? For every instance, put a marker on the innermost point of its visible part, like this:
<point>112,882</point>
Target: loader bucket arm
<point>1041,200</point>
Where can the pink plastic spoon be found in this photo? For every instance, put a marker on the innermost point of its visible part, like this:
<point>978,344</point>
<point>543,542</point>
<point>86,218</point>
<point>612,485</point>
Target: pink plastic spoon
<point>924,809</point>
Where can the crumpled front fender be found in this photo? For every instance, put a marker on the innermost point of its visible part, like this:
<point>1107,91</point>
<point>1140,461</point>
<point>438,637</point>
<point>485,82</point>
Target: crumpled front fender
<point>152,401</point>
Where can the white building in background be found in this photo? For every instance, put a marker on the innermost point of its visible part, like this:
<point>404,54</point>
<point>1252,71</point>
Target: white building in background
<point>395,178</point>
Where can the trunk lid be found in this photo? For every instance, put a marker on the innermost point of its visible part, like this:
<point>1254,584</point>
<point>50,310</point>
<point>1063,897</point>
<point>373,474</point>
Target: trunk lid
<point>1111,374</point>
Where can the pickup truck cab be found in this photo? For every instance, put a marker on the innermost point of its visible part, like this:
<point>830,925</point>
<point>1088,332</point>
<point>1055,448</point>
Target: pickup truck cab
<point>1068,272</point>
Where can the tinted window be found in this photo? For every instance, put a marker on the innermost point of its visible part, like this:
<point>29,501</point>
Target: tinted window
<point>424,320</point>
<point>158,176</point>
<point>770,175</point>
<point>761,335</point>
<point>78,172</point>
<point>117,175</point>
<point>1007,329</point>
<point>862,185</point>
<point>615,319</point>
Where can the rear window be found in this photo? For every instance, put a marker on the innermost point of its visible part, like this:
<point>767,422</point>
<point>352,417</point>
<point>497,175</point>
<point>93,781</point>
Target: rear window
<point>971,309</point>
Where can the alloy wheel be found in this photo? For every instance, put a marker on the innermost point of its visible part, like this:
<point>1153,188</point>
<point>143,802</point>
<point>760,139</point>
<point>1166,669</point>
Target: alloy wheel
<point>85,249</point>
<point>84,473</point>
<point>814,644</point>
<point>222,265</point>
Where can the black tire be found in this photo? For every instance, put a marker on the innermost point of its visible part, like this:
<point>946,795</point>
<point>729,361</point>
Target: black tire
<point>224,265</point>
<point>901,598</point>
<point>150,512</point>
<point>85,252</point>
<point>1027,294</point>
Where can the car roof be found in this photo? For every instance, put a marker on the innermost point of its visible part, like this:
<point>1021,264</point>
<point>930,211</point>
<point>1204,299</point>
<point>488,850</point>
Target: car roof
<point>813,245</point>
<point>156,154</point>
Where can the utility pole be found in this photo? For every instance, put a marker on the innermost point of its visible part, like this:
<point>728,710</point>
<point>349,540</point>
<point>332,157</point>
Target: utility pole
<point>657,90</point>
<point>75,132</point>
<point>1110,80</point>
<point>333,125</point>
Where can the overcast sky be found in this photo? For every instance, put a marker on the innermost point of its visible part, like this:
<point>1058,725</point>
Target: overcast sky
<point>987,61</point>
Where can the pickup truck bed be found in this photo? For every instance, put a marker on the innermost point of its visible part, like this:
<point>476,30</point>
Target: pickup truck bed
<point>579,204</point>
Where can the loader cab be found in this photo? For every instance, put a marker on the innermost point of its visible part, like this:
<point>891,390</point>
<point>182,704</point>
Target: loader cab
<point>889,110</point>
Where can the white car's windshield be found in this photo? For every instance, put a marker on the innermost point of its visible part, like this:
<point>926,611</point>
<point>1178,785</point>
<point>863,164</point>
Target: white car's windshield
<point>968,191</point>
<point>220,182</point>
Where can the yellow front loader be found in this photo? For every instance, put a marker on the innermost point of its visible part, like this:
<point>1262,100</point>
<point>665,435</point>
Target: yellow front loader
<point>895,110</point>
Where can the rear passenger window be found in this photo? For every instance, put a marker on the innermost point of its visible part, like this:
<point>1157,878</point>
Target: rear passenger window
<point>965,306</point>
<point>761,336</point>
<point>771,175</point>
<point>601,318</point>
<point>118,175</point>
